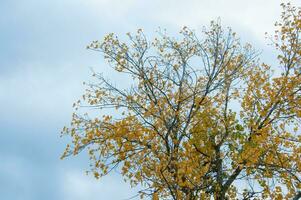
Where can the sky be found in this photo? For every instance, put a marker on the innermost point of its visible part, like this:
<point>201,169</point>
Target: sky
<point>43,63</point>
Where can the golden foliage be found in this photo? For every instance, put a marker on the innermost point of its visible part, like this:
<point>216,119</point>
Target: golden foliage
<point>201,114</point>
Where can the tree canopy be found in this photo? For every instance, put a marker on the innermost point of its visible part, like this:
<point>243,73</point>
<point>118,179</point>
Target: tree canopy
<point>203,119</point>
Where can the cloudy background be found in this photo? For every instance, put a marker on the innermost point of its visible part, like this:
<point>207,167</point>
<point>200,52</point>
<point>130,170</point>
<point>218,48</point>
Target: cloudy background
<point>43,62</point>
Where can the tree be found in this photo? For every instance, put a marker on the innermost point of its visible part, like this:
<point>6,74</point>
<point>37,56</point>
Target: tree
<point>201,117</point>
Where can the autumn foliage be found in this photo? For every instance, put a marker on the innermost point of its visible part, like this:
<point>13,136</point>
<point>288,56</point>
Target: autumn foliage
<point>203,118</point>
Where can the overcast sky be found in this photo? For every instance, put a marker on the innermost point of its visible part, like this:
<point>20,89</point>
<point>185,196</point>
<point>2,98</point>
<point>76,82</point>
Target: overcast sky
<point>43,62</point>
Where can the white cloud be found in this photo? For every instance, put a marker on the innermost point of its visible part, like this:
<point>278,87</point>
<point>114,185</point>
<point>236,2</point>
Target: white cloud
<point>35,90</point>
<point>53,35</point>
<point>78,186</point>
<point>254,17</point>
